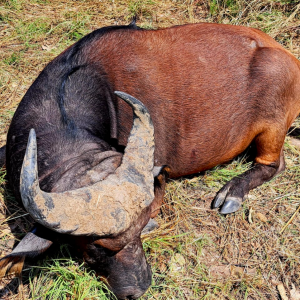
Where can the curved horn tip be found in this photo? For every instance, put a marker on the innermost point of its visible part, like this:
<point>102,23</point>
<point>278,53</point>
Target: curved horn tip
<point>133,102</point>
<point>32,133</point>
<point>29,166</point>
<point>31,144</point>
<point>29,176</point>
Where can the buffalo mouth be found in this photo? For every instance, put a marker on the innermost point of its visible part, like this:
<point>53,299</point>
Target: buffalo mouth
<point>126,272</point>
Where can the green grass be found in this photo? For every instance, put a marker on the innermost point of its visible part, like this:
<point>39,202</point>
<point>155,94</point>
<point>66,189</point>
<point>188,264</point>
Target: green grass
<point>13,4</point>
<point>66,279</point>
<point>33,31</point>
<point>2,176</point>
<point>13,59</point>
<point>141,7</point>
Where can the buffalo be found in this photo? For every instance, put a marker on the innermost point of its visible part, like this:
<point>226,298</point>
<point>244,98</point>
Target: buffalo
<point>211,90</point>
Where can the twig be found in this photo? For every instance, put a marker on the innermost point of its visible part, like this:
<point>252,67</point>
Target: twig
<point>292,16</point>
<point>282,292</point>
<point>21,287</point>
<point>290,220</point>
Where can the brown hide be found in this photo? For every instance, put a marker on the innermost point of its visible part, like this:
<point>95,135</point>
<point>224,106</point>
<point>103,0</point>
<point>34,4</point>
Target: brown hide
<point>210,89</point>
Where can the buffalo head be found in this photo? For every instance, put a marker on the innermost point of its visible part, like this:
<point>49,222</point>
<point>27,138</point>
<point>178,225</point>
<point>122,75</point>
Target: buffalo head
<point>105,218</point>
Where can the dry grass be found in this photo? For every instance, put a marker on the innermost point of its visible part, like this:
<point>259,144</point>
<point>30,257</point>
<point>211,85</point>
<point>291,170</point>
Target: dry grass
<point>196,253</point>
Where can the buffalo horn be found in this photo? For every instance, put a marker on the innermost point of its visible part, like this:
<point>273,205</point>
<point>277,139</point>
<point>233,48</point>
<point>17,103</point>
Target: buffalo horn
<point>107,207</point>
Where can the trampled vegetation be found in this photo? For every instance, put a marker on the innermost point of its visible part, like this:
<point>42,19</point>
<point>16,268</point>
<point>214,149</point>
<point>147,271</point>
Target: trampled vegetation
<point>196,253</point>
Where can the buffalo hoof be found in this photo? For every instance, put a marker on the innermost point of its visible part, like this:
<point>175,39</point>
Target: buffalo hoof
<point>231,205</point>
<point>228,199</point>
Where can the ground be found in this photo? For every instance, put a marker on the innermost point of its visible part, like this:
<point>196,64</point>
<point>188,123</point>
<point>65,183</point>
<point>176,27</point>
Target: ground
<point>196,253</point>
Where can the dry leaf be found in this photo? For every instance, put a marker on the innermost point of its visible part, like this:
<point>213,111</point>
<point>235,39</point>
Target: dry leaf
<point>295,294</point>
<point>295,143</point>
<point>14,84</point>
<point>242,272</point>
<point>250,215</point>
<point>220,271</point>
<point>261,217</point>
<point>47,47</point>
<point>162,268</point>
<point>177,263</point>
<point>4,232</point>
<point>178,259</point>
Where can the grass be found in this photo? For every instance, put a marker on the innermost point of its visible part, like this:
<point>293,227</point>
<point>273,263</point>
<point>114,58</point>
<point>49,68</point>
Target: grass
<point>196,253</point>
<point>66,279</point>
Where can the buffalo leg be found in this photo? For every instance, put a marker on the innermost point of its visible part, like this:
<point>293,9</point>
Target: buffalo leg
<point>268,163</point>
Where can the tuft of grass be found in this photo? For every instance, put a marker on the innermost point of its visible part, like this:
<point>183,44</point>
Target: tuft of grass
<point>141,7</point>
<point>13,4</point>
<point>2,176</point>
<point>14,59</point>
<point>220,175</point>
<point>30,32</point>
<point>66,279</point>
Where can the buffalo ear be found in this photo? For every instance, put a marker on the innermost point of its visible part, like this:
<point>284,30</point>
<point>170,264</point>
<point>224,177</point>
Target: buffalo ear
<point>30,246</point>
<point>2,156</point>
<point>161,175</point>
<point>118,242</point>
<point>161,170</point>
